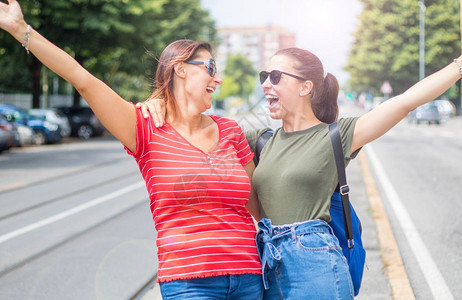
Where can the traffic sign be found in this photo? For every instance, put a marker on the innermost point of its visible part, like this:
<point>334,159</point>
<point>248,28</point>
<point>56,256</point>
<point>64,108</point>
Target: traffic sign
<point>386,88</point>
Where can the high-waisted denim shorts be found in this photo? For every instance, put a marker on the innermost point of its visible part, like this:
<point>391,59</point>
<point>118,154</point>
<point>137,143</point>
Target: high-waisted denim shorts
<point>302,261</point>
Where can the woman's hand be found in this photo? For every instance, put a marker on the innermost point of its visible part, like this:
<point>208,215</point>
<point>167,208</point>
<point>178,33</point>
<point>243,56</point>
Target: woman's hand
<point>11,16</point>
<point>155,107</point>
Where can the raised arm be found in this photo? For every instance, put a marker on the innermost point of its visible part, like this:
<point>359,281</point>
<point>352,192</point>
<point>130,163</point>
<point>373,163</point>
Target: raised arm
<point>117,115</point>
<point>378,121</point>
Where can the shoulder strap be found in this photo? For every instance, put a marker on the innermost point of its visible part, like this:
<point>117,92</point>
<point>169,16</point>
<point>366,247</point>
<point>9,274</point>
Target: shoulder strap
<point>262,139</point>
<point>343,186</point>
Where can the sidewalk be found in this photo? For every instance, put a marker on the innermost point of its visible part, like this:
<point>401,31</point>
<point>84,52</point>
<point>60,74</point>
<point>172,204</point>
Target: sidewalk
<point>376,283</point>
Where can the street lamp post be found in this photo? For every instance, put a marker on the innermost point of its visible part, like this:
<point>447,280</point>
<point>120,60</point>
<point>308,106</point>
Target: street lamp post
<point>422,40</point>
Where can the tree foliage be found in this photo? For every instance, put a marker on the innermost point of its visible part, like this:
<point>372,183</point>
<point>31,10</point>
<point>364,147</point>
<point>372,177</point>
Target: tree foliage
<point>386,46</point>
<point>110,38</point>
<point>239,79</point>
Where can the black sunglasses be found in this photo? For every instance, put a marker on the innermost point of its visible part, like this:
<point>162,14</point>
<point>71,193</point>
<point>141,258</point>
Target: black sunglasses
<point>209,64</point>
<point>275,76</point>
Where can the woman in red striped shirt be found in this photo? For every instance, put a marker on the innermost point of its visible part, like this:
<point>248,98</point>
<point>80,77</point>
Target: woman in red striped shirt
<point>196,167</point>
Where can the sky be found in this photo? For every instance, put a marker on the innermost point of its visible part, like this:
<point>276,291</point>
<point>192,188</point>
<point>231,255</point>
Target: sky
<point>325,27</point>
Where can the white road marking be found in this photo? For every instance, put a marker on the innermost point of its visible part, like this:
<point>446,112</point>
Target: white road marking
<point>69,212</point>
<point>432,274</point>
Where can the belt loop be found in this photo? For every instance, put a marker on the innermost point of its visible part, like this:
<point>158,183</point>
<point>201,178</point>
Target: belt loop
<point>331,230</point>
<point>294,235</point>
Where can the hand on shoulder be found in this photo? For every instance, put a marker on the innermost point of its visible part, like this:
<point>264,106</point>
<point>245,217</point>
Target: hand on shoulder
<point>154,107</point>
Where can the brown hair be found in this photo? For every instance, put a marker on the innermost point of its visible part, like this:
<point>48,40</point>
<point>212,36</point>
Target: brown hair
<point>175,52</point>
<point>325,90</point>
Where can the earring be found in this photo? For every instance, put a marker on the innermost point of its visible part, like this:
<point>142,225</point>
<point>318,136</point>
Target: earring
<point>300,94</point>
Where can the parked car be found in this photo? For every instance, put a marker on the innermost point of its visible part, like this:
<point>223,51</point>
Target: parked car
<point>44,131</point>
<point>425,113</point>
<point>10,130</point>
<point>5,140</point>
<point>25,135</point>
<point>55,116</point>
<point>8,134</point>
<point>21,135</point>
<point>446,108</point>
<point>83,121</point>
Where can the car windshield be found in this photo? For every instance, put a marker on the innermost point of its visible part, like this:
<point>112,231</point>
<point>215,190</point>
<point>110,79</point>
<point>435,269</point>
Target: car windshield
<point>59,114</point>
<point>37,113</point>
<point>428,106</point>
<point>16,115</point>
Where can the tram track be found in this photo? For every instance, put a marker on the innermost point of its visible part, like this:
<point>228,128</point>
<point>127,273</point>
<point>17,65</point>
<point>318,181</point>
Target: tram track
<point>63,197</point>
<point>53,247</point>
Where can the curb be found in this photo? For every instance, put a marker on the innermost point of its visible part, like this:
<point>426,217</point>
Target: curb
<point>391,257</point>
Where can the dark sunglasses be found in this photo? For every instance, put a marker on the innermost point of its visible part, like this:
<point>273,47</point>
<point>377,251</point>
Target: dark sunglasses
<point>209,64</point>
<point>275,76</point>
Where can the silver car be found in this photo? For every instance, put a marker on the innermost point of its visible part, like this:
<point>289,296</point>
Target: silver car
<point>54,116</point>
<point>447,109</point>
<point>25,135</point>
<point>425,113</point>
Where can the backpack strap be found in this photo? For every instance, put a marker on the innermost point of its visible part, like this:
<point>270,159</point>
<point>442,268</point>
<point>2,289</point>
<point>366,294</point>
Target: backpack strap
<point>262,139</point>
<point>343,186</point>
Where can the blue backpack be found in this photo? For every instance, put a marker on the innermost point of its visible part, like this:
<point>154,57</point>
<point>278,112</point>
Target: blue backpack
<point>344,221</point>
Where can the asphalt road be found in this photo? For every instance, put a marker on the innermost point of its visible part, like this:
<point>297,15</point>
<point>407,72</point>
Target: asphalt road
<point>424,167</point>
<point>75,223</point>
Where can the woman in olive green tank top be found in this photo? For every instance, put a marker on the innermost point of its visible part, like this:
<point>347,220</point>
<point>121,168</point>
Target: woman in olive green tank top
<point>297,174</point>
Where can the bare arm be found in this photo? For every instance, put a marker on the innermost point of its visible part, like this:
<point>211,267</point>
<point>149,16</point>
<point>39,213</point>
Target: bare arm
<point>378,121</point>
<point>253,206</point>
<point>120,119</point>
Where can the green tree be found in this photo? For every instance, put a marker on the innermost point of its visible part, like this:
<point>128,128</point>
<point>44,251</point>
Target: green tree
<point>386,46</point>
<point>239,79</point>
<point>443,39</point>
<point>110,38</point>
<point>228,88</point>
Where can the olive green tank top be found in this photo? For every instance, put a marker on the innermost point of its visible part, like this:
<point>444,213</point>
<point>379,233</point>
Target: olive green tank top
<point>297,175</point>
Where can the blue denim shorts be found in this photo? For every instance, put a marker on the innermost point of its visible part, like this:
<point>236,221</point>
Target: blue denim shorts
<point>302,261</point>
<point>229,287</point>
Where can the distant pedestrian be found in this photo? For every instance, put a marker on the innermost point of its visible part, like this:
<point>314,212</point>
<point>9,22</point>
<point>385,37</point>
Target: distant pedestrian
<point>196,167</point>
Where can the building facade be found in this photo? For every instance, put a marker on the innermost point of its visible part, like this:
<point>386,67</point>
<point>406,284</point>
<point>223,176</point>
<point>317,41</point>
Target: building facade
<point>258,44</point>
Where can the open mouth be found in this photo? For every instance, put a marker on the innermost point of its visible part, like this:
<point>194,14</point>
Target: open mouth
<point>210,89</point>
<point>272,100</point>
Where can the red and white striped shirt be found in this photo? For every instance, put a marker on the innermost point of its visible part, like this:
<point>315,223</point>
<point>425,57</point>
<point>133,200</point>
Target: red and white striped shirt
<point>198,201</point>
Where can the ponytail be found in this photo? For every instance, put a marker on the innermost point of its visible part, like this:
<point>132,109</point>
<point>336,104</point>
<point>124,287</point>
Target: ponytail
<point>324,104</point>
